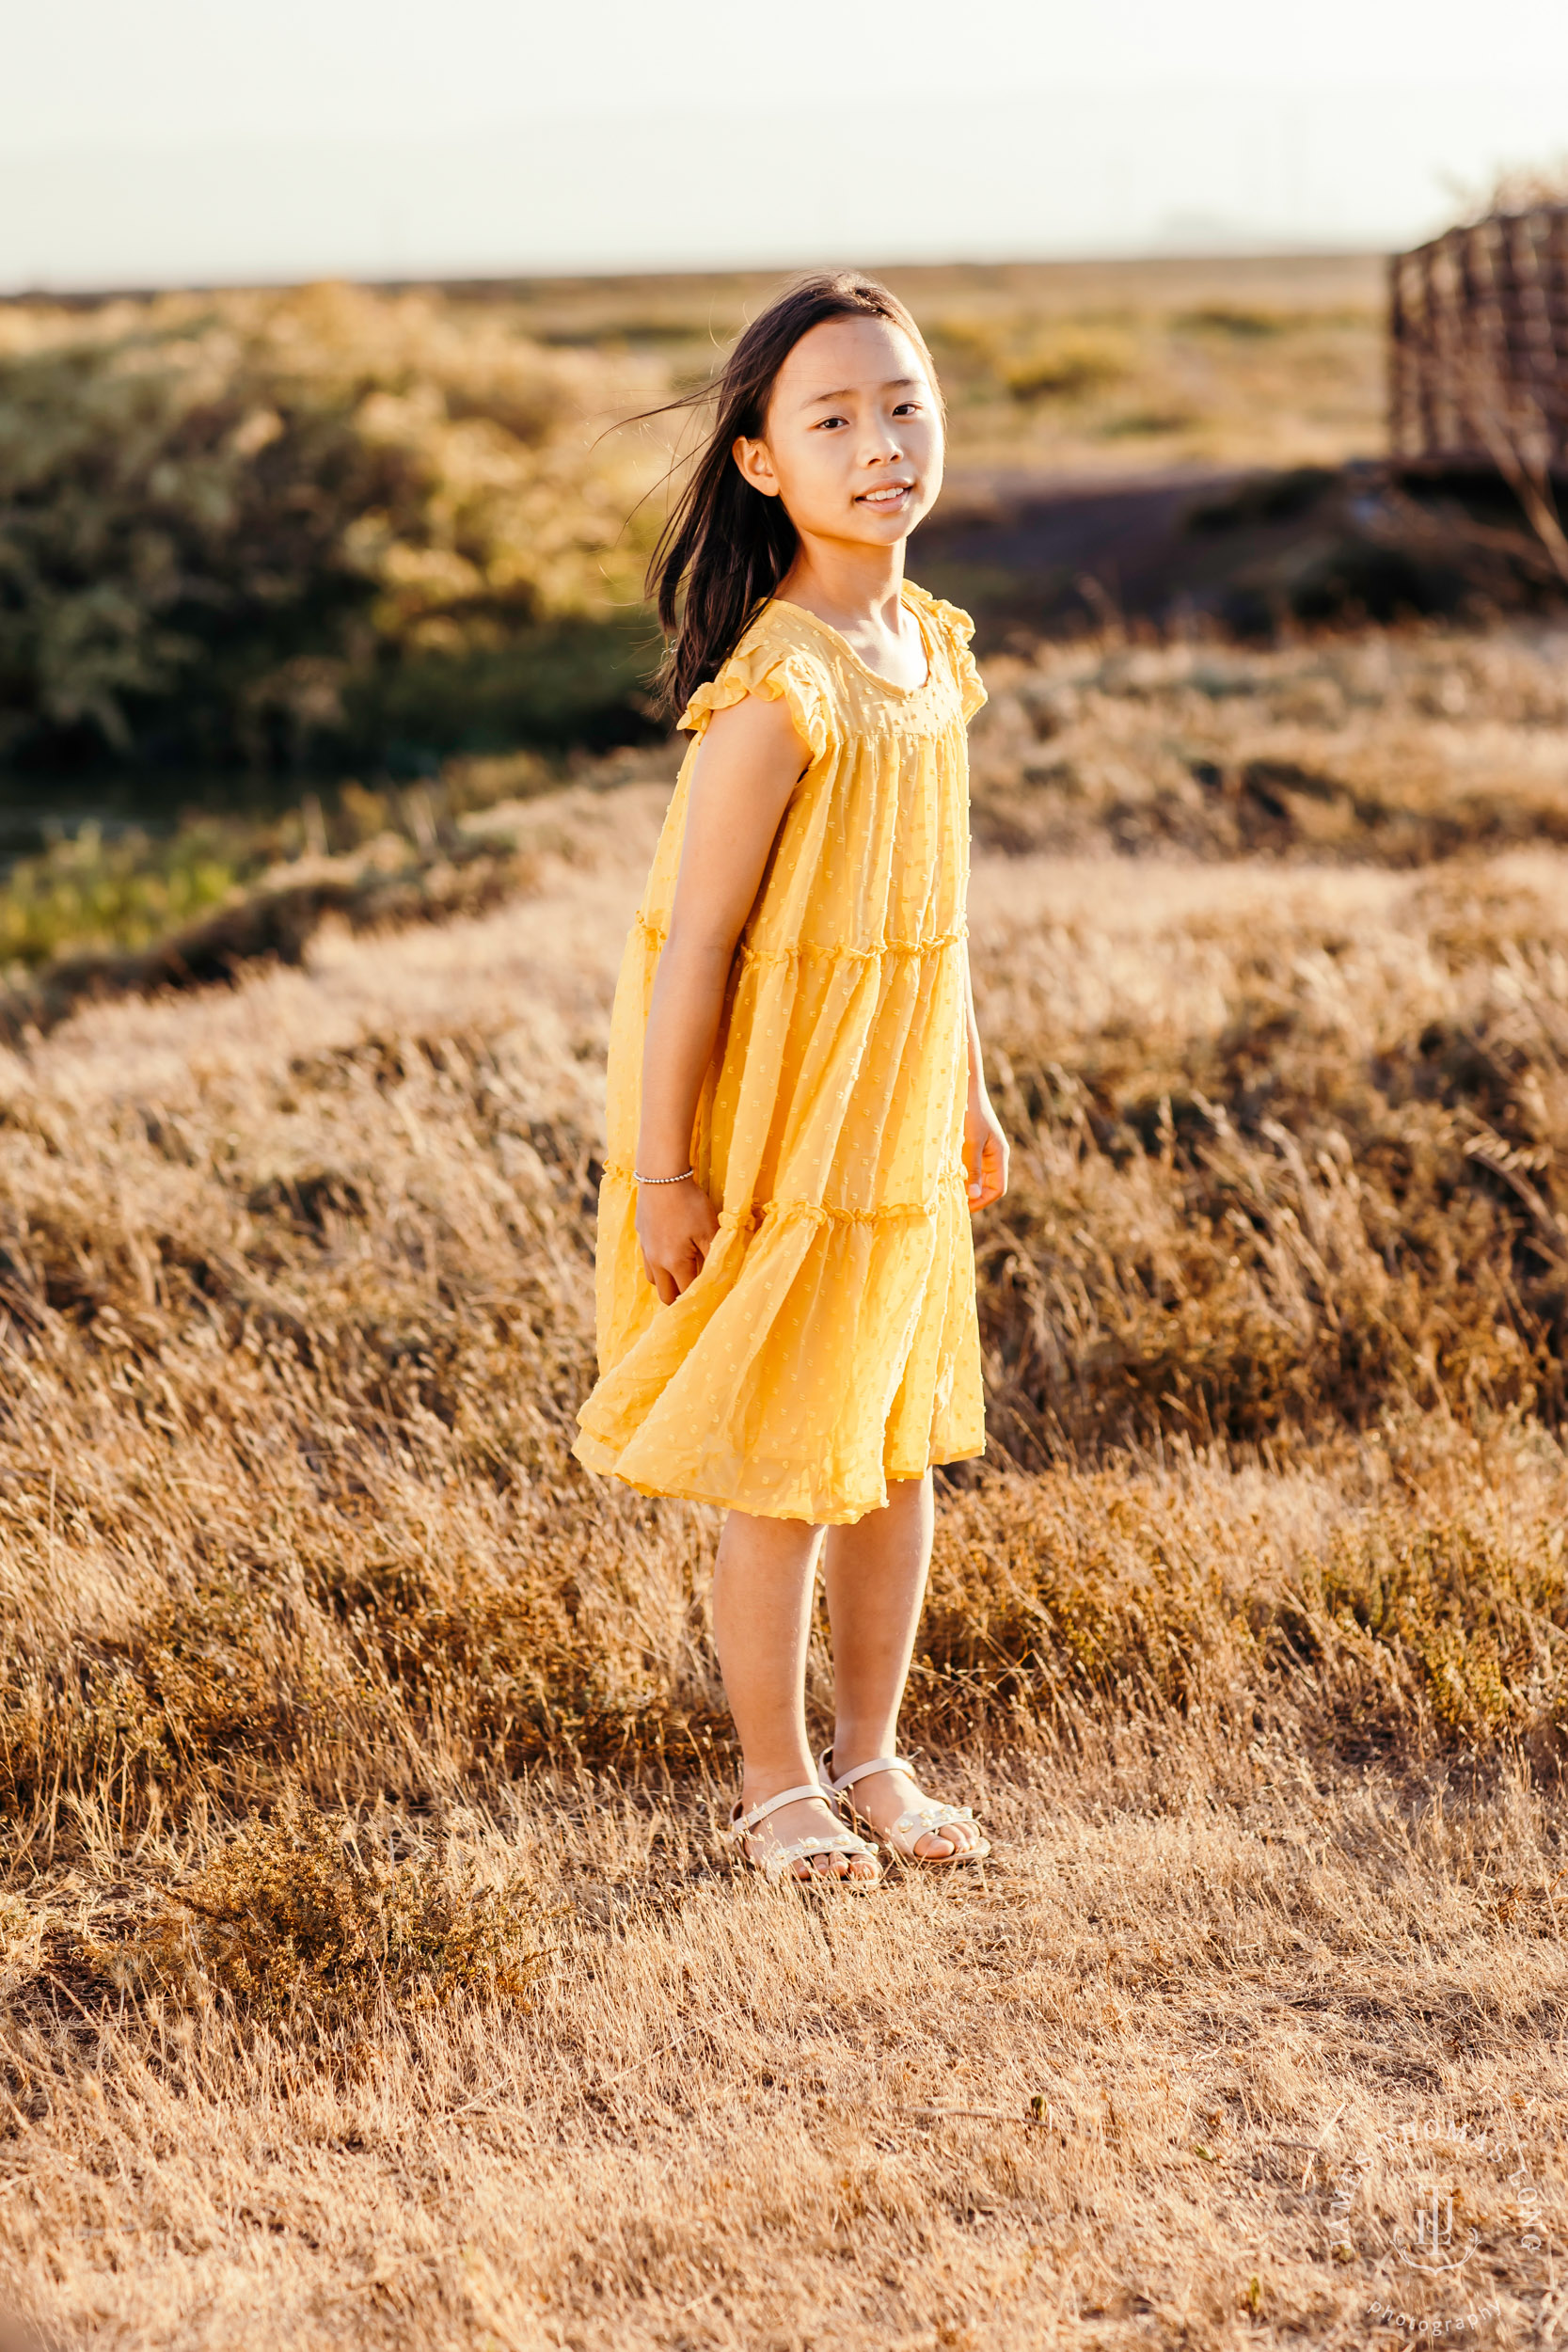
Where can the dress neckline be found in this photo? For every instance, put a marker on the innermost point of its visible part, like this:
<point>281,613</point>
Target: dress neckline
<point>889,686</point>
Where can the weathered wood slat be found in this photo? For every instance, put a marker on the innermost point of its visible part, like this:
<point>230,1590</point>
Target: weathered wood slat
<point>1478,342</point>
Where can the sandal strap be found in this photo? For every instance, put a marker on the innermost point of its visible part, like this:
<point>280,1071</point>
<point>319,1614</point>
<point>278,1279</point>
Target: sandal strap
<point>861,1771</point>
<point>932,1820</point>
<point>775,1860</point>
<point>741,1824</point>
<point>924,1821</point>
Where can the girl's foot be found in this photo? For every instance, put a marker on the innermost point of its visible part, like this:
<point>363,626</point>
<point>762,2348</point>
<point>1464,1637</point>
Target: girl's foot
<point>885,1794</point>
<point>799,1834</point>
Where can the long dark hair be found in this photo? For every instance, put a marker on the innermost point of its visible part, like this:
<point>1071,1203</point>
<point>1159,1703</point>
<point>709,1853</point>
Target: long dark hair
<point>726,545</point>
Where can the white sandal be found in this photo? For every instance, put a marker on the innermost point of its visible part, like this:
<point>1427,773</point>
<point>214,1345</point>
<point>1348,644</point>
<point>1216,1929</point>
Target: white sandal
<point>920,1820</point>
<point>776,1862</point>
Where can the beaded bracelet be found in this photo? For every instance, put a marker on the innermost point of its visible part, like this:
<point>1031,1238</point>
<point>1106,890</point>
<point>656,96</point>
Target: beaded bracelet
<point>663,1179</point>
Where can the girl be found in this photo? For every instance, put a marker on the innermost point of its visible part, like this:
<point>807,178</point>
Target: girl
<point>799,1125</point>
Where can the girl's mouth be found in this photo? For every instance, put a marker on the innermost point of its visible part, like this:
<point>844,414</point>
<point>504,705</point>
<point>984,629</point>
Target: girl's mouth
<point>887,493</point>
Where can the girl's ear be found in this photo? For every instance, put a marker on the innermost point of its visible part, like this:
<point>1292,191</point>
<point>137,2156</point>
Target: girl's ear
<point>756,465</point>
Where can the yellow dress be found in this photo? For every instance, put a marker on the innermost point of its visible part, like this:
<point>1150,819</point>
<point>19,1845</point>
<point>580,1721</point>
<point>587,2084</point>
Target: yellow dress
<point>829,1342</point>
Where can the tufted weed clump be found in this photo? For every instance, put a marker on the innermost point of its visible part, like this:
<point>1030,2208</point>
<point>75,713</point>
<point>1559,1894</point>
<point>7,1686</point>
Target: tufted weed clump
<point>296,1916</point>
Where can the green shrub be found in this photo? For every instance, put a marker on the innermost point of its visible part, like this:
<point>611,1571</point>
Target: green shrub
<point>1070,365</point>
<point>232,526</point>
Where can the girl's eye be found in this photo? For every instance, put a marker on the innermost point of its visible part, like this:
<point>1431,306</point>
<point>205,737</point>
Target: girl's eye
<point>823,422</point>
<point>907,408</point>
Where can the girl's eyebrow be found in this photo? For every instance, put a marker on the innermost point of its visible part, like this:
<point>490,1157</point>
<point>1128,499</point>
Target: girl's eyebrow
<point>894,384</point>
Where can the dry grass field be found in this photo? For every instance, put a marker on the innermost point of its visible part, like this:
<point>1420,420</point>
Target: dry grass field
<point>371,1974</point>
<point>1079,365</point>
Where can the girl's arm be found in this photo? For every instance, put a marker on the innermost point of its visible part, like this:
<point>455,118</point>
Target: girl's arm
<point>985,1144</point>
<point>749,765</point>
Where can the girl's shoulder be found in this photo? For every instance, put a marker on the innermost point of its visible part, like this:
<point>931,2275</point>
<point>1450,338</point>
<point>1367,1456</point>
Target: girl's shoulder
<point>781,658</point>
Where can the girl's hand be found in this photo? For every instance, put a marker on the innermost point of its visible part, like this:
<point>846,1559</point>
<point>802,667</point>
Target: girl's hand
<point>985,1153</point>
<point>675,1225</point>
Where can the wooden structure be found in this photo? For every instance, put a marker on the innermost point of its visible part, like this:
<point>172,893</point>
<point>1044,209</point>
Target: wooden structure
<point>1478,346</point>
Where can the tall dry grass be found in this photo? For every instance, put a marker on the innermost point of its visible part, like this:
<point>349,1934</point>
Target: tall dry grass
<point>372,1974</point>
<point>1073,366</point>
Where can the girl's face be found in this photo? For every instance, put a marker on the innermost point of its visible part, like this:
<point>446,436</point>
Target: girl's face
<point>852,441</point>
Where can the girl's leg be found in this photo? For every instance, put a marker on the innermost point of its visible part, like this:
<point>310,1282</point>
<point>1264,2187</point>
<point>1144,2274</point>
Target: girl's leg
<point>875,1572</point>
<point>762,1593</point>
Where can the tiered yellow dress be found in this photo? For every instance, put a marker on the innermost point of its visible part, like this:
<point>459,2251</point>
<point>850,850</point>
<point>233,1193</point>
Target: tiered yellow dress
<point>829,1342</point>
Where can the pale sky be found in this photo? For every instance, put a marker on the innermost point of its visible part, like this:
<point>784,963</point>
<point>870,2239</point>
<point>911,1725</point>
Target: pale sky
<point>206,139</point>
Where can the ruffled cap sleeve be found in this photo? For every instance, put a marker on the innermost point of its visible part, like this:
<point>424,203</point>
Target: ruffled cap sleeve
<point>775,674</point>
<point>957,628</point>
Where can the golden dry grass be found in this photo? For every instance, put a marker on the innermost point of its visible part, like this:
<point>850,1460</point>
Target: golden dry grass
<point>372,1975</point>
<point>714,2126</point>
<point>1080,366</point>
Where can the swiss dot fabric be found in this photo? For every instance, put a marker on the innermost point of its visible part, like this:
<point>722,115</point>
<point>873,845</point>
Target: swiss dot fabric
<point>829,1342</point>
